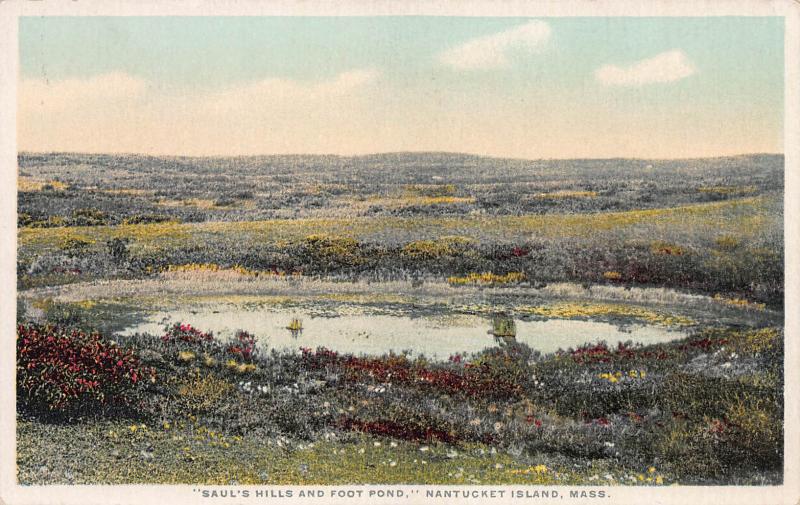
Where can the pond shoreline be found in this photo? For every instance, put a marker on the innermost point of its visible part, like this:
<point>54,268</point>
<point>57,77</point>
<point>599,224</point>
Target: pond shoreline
<point>172,286</point>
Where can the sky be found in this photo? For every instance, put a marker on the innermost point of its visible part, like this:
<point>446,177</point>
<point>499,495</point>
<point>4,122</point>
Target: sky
<point>512,87</point>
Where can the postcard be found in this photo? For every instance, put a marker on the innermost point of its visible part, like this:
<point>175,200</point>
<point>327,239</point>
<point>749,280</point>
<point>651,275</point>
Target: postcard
<point>379,252</point>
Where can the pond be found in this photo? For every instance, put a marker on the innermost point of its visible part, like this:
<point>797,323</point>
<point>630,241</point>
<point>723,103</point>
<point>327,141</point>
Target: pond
<point>437,336</point>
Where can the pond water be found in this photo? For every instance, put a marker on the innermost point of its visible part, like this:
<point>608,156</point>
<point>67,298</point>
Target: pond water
<point>436,336</point>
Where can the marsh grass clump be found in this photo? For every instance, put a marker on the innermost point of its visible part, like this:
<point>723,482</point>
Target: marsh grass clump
<point>488,278</point>
<point>199,392</point>
<point>75,246</point>
<point>434,249</point>
<point>332,251</point>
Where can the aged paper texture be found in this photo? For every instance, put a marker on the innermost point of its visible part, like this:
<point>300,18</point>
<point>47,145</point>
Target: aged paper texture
<point>381,252</point>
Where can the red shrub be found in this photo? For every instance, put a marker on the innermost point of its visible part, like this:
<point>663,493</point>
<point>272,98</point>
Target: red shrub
<point>534,421</point>
<point>320,359</point>
<point>246,346</point>
<point>476,381</point>
<point>395,369</point>
<point>591,354</point>
<point>60,369</point>
<point>601,353</point>
<point>455,358</point>
<point>705,343</point>
<point>519,252</point>
<point>184,332</point>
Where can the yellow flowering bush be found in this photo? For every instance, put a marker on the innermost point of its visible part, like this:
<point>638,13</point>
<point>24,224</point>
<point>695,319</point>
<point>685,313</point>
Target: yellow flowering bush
<point>487,278</point>
<point>200,392</point>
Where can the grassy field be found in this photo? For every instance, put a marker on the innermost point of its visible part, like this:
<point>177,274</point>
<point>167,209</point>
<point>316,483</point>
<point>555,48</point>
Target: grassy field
<point>745,217</point>
<point>694,246</point>
<point>733,248</point>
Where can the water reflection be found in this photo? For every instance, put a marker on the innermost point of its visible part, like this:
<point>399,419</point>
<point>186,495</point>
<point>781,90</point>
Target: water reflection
<point>436,336</point>
<point>295,327</point>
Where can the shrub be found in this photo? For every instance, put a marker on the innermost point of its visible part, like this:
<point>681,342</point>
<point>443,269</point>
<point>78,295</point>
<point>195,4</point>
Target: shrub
<point>245,347</point>
<point>224,202</point>
<point>147,219</point>
<point>89,217</point>
<point>74,246</point>
<point>200,392</point>
<point>727,242</point>
<point>184,332</point>
<point>756,430</point>
<point>64,315</point>
<point>118,249</point>
<point>331,251</point>
<point>67,370</point>
<point>434,249</point>
<point>690,450</point>
<point>487,278</point>
<point>186,356</point>
<point>666,249</point>
<point>430,190</point>
<point>24,219</point>
<point>414,428</point>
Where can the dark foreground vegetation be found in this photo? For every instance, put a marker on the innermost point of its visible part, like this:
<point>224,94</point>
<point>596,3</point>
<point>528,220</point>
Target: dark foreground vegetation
<point>187,407</point>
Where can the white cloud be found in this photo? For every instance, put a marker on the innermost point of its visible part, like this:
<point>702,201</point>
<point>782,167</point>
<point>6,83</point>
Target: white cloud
<point>352,79</point>
<point>120,113</point>
<point>46,95</point>
<point>491,51</point>
<point>283,90</point>
<point>669,66</point>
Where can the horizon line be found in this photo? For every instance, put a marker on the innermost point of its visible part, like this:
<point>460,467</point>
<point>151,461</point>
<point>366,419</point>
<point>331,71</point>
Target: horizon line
<point>388,153</point>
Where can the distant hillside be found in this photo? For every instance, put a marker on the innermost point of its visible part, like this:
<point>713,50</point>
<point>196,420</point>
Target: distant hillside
<point>65,188</point>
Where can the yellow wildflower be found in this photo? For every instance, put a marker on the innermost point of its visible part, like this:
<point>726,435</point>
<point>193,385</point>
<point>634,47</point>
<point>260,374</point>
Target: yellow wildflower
<point>186,356</point>
<point>246,368</point>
